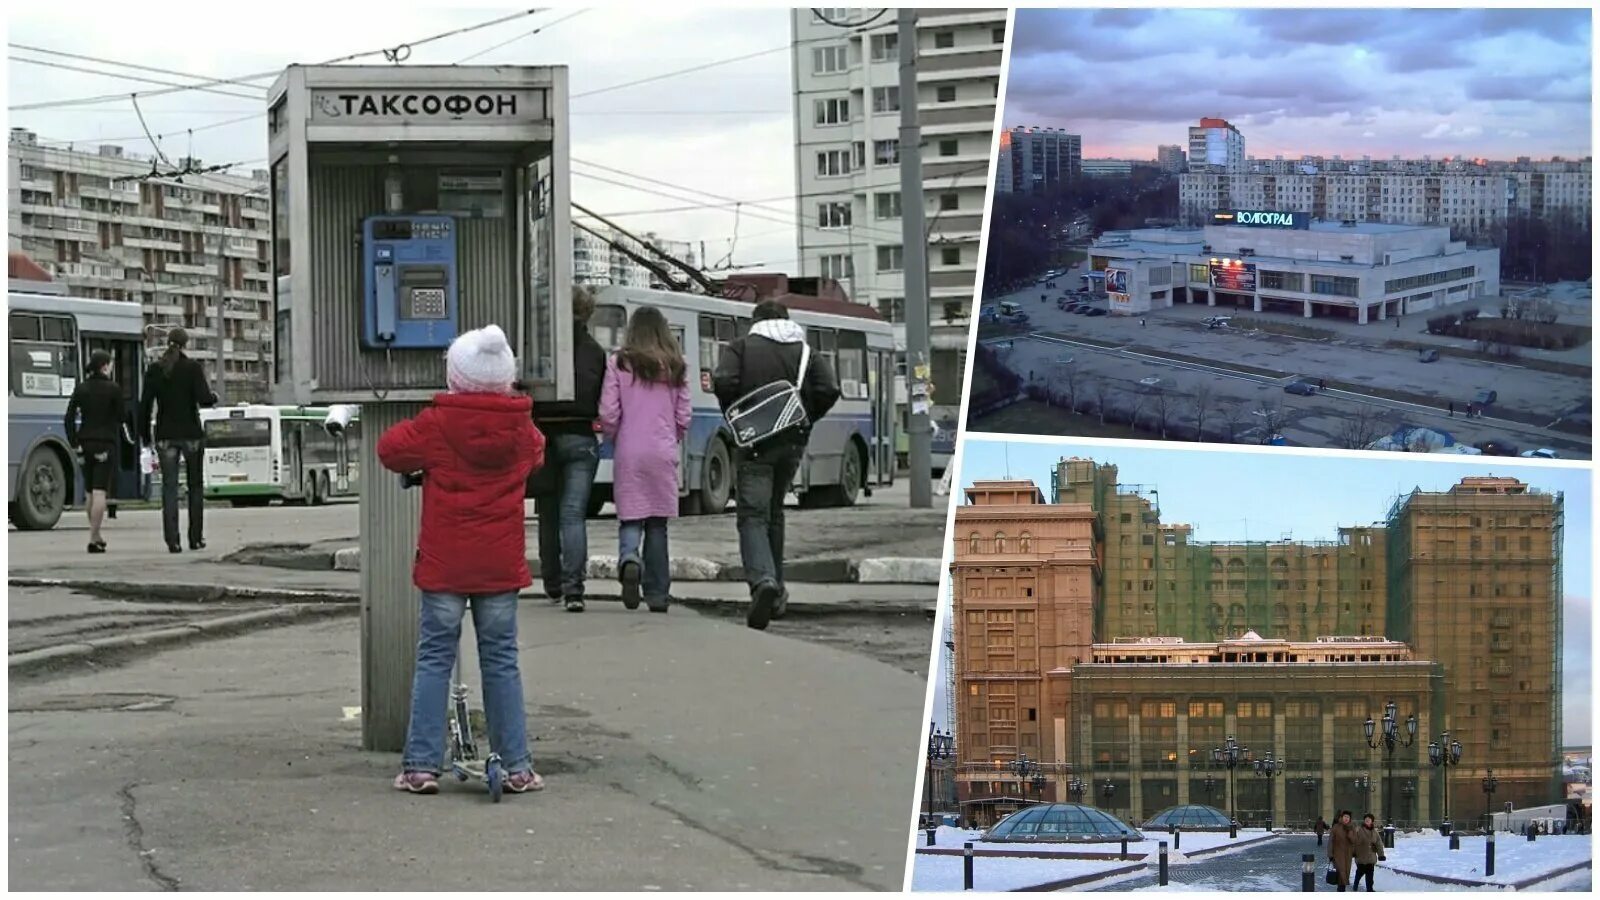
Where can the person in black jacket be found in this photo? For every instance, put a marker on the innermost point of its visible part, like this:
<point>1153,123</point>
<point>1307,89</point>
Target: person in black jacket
<point>770,353</point>
<point>98,400</point>
<point>571,456</point>
<point>174,389</point>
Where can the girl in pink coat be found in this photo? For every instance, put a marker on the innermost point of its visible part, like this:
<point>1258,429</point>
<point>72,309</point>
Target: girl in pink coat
<point>644,411</point>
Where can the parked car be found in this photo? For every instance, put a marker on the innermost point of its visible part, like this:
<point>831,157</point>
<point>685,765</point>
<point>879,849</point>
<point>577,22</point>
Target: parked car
<point>1541,453</point>
<point>1485,397</point>
<point>1082,309</point>
<point>1497,448</point>
<point>1427,356</point>
<point>1096,312</point>
<point>1303,388</point>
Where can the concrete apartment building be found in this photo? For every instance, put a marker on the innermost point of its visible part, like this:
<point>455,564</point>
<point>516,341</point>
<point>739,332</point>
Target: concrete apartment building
<point>87,219</point>
<point>595,261</point>
<point>1108,168</point>
<point>1216,146</point>
<point>1108,645</point>
<point>1035,159</point>
<point>1287,262</point>
<point>847,174</point>
<point>1171,158</point>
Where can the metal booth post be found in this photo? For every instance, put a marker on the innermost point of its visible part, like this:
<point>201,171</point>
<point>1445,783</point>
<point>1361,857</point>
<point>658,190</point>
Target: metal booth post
<point>411,204</point>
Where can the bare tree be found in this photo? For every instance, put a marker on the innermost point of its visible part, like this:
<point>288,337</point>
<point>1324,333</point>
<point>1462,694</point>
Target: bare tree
<point>1161,404</point>
<point>1358,430</point>
<point>1087,385</point>
<point>1201,401</point>
<point>1069,377</point>
<point>1103,392</point>
<point>1233,414</point>
<point>1272,415</point>
<point>1140,400</point>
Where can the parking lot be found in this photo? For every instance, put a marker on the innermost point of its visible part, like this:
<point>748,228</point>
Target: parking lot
<point>1193,363</point>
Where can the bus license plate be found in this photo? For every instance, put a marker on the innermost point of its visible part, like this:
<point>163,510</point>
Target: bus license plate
<point>238,477</point>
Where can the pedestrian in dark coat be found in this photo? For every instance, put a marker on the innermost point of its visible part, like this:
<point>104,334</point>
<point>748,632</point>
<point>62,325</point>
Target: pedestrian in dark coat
<point>94,425</point>
<point>1368,850</point>
<point>174,390</point>
<point>1342,847</point>
<point>1321,828</point>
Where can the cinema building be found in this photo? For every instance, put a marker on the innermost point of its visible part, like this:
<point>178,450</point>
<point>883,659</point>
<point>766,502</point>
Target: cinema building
<point>1113,648</point>
<point>1285,262</point>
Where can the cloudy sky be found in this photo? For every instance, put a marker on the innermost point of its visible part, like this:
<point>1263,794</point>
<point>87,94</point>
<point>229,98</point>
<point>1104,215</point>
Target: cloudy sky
<point>1228,495</point>
<point>727,130</point>
<point>1353,82</point>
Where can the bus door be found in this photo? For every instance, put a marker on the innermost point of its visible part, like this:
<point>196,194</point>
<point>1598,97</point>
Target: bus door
<point>293,457</point>
<point>127,368</point>
<point>880,385</point>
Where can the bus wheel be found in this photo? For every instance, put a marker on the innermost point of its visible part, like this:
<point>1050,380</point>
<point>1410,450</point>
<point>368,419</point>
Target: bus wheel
<point>846,491</point>
<point>42,495</point>
<point>716,478</point>
<point>315,486</point>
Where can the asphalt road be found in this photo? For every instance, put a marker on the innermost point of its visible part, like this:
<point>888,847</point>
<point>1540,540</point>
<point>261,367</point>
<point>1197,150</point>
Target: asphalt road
<point>1323,420</point>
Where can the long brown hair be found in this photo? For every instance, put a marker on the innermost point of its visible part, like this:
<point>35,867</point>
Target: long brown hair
<point>177,339</point>
<point>649,349</point>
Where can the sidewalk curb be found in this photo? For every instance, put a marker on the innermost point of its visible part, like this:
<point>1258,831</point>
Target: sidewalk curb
<point>828,570</point>
<point>1081,879</point>
<point>84,650</point>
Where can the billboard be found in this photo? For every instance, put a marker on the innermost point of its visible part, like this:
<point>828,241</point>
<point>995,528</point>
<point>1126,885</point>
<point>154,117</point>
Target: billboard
<point>1120,299</point>
<point>1262,218</point>
<point>1116,281</point>
<point>1233,275</point>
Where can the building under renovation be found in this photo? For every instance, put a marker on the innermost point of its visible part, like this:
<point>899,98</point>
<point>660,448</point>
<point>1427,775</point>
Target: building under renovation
<point>1116,653</point>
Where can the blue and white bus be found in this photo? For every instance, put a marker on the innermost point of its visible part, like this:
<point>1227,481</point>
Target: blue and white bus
<point>851,449</point>
<point>50,336</point>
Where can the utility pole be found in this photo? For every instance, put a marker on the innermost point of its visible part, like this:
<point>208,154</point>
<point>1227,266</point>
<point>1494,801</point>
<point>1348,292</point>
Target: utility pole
<point>218,324</point>
<point>914,261</point>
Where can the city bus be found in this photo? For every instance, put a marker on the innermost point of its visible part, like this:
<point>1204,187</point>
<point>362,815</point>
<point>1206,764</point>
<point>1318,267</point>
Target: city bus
<point>256,454</point>
<point>852,449</point>
<point>50,336</point>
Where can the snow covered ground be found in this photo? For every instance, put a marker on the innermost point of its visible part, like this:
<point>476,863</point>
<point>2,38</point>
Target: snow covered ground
<point>1515,859</point>
<point>943,873</point>
<point>1146,844</point>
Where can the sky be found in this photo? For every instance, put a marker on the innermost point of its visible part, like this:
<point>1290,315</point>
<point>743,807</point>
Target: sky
<point>1352,82</point>
<point>1231,495</point>
<point>727,130</point>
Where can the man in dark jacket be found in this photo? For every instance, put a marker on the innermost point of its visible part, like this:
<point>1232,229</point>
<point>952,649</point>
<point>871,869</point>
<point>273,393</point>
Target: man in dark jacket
<point>770,353</point>
<point>571,456</point>
<point>98,400</point>
<point>174,390</point>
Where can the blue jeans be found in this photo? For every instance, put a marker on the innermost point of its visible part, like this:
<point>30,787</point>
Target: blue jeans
<point>563,529</point>
<point>657,560</point>
<point>494,618</point>
<point>763,479</point>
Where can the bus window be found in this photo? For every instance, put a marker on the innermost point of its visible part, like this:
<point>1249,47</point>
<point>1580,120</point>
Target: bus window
<point>825,343</point>
<point>607,325</point>
<point>852,364</point>
<point>44,355</point>
<point>715,331</point>
<point>222,433</point>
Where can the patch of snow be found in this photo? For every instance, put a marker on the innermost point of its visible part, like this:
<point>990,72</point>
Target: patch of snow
<point>944,873</point>
<point>1515,859</point>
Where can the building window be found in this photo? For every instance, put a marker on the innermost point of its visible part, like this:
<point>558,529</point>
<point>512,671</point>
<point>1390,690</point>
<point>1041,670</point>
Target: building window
<point>999,35</point>
<point>828,60</point>
<point>833,111</point>
<point>838,266</point>
<point>831,16</point>
<point>891,258</point>
<point>833,215</point>
<point>886,205</point>
<point>949,201</point>
<point>950,147</point>
<point>892,309</point>
<point>886,153</point>
<point>886,99</point>
<point>833,163</point>
<point>944,40</point>
<point>946,93</point>
<point>884,47</point>
<point>1025,543</point>
<point>950,256</point>
<point>999,542</point>
<point>1337,285</point>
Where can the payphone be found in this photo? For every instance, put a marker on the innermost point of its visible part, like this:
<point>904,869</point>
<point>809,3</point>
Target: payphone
<point>409,274</point>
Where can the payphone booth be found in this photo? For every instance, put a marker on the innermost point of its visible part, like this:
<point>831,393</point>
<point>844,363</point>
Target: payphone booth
<point>411,204</point>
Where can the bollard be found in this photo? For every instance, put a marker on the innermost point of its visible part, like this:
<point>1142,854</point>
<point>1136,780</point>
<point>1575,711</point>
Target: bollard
<point>1488,855</point>
<point>1455,841</point>
<point>1163,865</point>
<point>1388,836</point>
<point>1532,833</point>
<point>932,830</point>
<point>966,866</point>
<point>1308,873</point>
<point>1445,828</point>
<point>1233,828</point>
<point>1177,837</point>
<point>1124,846</point>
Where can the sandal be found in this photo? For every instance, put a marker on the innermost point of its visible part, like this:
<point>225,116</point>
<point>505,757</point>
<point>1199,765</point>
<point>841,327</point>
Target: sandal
<point>524,782</point>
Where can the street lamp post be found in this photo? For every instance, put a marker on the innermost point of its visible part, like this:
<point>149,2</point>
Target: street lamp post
<point>1076,789</point>
<point>1230,754</point>
<point>1210,786</point>
<point>1310,785</point>
<point>1038,785</point>
<point>1490,783</point>
<point>1108,790</point>
<point>1444,754</point>
<point>1269,769</point>
<point>1023,767</point>
<point>940,746</point>
<point>1390,741</point>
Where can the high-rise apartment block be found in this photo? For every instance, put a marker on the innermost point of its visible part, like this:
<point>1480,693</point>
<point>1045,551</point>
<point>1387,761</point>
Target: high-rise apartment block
<point>1216,146</point>
<point>596,259</point>
<point>1111,646</point>
<point>1037,159</point>
<point>847,160</point>
<point>1171,158</point>
<point>97,223</point>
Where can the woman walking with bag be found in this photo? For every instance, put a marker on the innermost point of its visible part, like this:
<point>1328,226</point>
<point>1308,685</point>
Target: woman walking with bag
<point>644,411</point>
<point>1342,848</point>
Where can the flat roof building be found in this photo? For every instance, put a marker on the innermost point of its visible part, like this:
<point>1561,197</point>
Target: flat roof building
<point>1269,261</point>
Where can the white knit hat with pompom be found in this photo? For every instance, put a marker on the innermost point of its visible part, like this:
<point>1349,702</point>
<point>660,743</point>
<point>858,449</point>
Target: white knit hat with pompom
<point>481,362</point>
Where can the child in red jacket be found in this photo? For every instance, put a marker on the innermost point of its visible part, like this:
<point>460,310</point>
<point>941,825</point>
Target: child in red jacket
<point>476,447</point>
